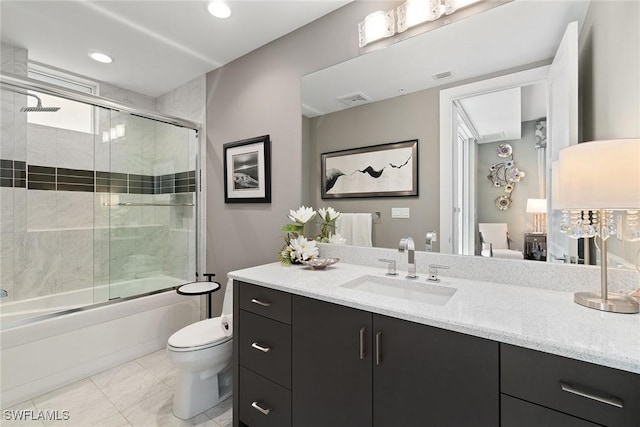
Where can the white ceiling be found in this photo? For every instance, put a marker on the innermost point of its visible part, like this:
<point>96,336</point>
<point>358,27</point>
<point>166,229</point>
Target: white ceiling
<point>498,116</point>
<point>511,35</point>
<point>157,44</point>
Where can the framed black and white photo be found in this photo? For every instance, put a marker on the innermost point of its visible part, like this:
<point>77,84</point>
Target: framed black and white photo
<point>374,171</point>
<point>247,170</point>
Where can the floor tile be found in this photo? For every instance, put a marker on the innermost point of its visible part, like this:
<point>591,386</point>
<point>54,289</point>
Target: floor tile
<point>21,415</point>
<point>127,384</point>
<point>137,393</point>
<point>114,421</point>
<point>85,403</point>
<point>156,410</point>
<point>160,366</point>
<point>222,413</point>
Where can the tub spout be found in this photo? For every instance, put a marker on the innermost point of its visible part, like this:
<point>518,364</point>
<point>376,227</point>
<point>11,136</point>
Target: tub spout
<point>3,293</point>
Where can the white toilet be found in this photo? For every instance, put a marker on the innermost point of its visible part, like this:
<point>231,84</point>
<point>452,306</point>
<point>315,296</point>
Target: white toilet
<point>202,352</point>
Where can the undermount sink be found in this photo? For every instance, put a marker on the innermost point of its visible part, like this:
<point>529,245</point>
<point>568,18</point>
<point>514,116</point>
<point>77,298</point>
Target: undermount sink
<point>404,289</point>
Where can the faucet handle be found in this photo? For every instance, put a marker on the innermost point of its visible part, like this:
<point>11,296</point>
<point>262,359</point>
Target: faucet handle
<point>433,271</point>
<point>391,266</point>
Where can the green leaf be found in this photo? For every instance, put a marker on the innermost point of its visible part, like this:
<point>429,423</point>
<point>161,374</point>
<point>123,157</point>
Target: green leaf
<point>291,228</point>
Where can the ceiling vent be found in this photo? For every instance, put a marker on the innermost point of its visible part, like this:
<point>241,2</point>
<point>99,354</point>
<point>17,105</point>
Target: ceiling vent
<point>491,137</point>
<point>442,75</point>
<point>355,98</point>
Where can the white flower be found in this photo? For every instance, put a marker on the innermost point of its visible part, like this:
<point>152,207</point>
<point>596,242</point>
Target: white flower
<point>328,214</point>
<point>337,239</point>
<point>303,249</point>
<point>302,215</point>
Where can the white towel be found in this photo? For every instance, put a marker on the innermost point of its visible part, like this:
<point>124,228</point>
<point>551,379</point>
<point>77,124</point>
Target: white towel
<point>355,228</point>
<point>226,319</point>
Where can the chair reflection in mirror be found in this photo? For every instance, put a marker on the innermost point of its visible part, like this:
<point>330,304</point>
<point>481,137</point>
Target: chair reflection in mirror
<point>495,241</point>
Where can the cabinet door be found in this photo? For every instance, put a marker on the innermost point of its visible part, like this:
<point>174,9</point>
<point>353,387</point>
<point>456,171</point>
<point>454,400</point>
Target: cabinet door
<point>424,376</point>
<point>331,357</point>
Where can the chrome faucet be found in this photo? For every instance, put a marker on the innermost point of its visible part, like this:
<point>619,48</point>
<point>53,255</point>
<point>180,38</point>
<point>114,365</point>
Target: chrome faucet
<point>433,272</point>
<point>432,237</point>
<point>391,266</point>
<point>3,293</point>
<point>406,243</point>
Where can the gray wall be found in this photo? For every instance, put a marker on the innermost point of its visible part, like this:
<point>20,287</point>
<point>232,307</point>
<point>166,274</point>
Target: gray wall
<point>413,116</point>
<point>260,94</point>
<point>610,82</point>
<point>526,159</point>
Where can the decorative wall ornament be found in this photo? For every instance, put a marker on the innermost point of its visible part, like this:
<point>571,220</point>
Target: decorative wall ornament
<point>505,175</point>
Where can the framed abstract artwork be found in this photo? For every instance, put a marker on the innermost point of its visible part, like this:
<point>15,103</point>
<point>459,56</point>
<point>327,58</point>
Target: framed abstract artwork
<point>247,170</point>
<point>376,171</point>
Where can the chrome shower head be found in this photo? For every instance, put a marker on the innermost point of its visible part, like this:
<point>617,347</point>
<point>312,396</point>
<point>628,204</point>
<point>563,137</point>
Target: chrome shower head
<point>38,108</point>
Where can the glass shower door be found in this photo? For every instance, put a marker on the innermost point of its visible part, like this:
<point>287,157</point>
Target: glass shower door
<point>151,206</point>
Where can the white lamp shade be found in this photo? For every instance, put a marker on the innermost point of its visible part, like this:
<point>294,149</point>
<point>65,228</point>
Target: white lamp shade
<point>536,205</point>
<point>599,175</point>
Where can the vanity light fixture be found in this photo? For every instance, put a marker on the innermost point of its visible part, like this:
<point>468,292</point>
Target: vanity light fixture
<point>598,185</point>
<point>415,12</point>
<point>219,9</point>
<point>376,26</point>
<point>538,207</point>
<point>100,57</point>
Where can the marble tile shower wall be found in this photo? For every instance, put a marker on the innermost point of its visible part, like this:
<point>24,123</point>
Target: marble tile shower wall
<point>58,241</point>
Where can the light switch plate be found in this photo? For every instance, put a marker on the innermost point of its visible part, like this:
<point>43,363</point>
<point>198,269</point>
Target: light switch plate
<point>400,213</point>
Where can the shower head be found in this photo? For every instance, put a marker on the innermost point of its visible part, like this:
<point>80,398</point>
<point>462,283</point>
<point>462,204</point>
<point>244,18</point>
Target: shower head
<point>38,108</point>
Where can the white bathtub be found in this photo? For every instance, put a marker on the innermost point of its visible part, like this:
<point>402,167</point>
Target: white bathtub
<point>17,311</point>
<point>41,356</point>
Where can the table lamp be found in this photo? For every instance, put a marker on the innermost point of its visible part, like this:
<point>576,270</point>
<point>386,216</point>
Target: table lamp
<point>596,181</point>
<point>538,207</point>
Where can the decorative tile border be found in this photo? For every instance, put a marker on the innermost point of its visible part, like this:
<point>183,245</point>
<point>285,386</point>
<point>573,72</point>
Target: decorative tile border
<point>18,174</point>
<point>12,173</point>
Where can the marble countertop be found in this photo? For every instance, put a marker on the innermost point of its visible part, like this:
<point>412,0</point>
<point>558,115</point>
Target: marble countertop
<point>538,319</point>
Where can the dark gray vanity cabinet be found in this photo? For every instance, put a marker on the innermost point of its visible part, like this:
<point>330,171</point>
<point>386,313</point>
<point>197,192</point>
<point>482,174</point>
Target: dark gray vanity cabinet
<point>331,364</point>
<point>553,386</point>
<point>355,368</point>
<point>262,357</point>
<point>426,376</point>
<point>302,362</point>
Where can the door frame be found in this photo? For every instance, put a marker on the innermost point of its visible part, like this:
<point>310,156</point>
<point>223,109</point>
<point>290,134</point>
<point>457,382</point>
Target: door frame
<point>447,97</point>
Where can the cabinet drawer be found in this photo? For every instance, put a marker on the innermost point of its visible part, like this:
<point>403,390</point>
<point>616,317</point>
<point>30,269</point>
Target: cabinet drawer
<point>266,302</point>
<point>518,413</point>
<point>596,393</point>
<point>257,394</point>
<point>264,346</point>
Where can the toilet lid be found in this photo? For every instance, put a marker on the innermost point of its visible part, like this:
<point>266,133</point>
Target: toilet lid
<point>198,334</point>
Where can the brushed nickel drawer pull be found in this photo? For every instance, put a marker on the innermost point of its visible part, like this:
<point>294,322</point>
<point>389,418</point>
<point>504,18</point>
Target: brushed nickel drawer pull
<point>261,348</point>
<point>259,408</point>
<point>362,352</point>
<point>378,349</point>
<point>607,400</point>
<point>262,303</point>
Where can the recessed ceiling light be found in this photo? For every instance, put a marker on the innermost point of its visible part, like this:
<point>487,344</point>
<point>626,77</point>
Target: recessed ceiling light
<point>219,9</point>
<point>101,57</point>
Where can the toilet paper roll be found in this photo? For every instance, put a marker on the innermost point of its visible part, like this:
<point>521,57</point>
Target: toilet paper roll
<point>226,321</point>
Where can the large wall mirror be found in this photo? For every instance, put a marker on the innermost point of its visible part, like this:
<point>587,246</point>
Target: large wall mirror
<point>498,87</point>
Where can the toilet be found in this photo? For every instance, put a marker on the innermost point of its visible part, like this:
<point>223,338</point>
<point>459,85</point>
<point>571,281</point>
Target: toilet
<point>202,353</point>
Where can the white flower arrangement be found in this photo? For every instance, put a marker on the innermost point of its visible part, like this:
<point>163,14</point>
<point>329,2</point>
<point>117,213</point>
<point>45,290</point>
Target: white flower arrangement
<point>297,247</point>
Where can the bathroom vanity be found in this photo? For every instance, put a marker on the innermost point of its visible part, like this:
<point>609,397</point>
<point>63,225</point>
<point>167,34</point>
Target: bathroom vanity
<point>348,346</point>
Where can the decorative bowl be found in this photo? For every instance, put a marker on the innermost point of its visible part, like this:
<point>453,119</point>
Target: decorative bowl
<point>320,263</point>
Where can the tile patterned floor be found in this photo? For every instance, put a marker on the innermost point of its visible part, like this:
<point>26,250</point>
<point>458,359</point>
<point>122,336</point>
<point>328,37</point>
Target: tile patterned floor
<point>135,394</point>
